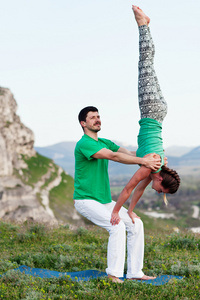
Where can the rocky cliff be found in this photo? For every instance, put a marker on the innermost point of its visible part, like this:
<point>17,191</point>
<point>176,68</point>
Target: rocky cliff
<point>15,137</point>
<point>21,196</point>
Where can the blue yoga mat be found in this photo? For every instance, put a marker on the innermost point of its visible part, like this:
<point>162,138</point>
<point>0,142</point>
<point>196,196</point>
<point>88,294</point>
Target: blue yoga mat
<point>87,275</point>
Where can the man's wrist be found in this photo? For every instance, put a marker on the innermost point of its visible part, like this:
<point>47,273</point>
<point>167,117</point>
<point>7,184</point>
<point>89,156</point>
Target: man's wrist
<point>142,161</point>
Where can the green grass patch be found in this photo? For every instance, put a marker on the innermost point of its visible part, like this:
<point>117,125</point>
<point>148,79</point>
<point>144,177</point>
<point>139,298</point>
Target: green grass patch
<point>66,250</point>
<point>61,198</point>
<point>39,198</point>
<point>37,167</point>
<point>53,176</point>
<point>64,191</point>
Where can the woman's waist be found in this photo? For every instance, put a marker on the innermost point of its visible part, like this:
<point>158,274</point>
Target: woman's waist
<point>150,146</point>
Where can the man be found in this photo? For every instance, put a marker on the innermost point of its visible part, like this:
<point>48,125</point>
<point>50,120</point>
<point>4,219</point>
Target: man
<point>93,200</point>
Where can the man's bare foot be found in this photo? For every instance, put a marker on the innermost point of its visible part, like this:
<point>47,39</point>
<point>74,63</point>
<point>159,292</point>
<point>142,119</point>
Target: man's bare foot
<point>140,16</point>
<point>115,279</point>
<point>145,277</point>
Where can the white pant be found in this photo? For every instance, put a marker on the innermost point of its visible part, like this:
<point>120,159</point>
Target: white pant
<point>100,214</point>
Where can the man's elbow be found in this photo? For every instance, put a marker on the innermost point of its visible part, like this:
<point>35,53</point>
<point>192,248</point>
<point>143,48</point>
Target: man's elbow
<point>106,154</point>
<point>114,156</point>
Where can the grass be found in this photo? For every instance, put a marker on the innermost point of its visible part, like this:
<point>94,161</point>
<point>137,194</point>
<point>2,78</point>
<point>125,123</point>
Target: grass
<point>61,198</point>
<point>66,250</point>
<point>181,220</point>
<point>54,174</point>
<point>37,167</point>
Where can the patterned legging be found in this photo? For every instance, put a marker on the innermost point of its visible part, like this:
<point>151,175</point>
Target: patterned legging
<point>151,102</point>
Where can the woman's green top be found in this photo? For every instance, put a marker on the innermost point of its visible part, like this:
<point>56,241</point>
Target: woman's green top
<point>150,139</point>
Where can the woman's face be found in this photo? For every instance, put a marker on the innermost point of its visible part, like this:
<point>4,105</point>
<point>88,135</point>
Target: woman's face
<point>157,186</point>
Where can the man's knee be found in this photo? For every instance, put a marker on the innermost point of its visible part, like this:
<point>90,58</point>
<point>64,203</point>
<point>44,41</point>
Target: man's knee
<point>118,228</point>
<point>139,221</point>
<point>136,227</point>
<point>139,225</point>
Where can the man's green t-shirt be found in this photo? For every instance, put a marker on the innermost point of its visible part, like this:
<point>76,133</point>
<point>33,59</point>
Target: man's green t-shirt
<point>150,139</point>
<point>91,175</point>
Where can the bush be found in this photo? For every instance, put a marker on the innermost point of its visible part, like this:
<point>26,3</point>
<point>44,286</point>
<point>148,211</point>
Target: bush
<point>82,231</point>
<point>185,270</point>
<point>187,242</point>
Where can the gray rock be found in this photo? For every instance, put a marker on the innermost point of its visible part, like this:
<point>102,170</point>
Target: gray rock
<point>18,201</point>
<point>15,138</point>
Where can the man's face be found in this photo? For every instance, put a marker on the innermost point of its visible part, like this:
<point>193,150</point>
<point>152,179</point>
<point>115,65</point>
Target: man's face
<point>157,186</point>
<point>93,122</point>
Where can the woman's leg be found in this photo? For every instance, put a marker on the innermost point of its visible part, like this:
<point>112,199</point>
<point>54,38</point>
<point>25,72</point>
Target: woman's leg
<point>151,102</point>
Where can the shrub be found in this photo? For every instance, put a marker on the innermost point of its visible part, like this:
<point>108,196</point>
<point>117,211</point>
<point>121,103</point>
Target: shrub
<point>185,270</point>
<point>187,242</point>
<point>82,231</point>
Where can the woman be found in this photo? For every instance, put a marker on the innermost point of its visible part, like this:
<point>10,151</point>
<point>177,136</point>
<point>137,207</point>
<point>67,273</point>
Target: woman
<point>153,109</point>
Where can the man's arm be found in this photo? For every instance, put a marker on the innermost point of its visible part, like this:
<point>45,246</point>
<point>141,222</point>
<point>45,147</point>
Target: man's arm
<point>124,150</point>
<point>151,161</point>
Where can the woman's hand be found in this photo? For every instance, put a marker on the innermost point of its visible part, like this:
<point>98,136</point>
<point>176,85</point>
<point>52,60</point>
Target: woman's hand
<point>133,215</point>
<point>115,219</point>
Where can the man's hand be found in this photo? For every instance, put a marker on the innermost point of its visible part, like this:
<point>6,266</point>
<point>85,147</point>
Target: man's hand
<point>115,219</point>
<point>133,215</point>
<point>152,161</point>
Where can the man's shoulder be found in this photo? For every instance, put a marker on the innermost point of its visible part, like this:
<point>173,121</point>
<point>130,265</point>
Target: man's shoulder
<point>84,140</point>
<point>80,141</point>
<point>111,145</point>
<point>86,143</point>
<point>79,144</point>
<point>103,139</point>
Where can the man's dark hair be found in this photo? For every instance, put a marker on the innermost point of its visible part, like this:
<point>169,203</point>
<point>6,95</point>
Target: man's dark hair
<point>83,113</point>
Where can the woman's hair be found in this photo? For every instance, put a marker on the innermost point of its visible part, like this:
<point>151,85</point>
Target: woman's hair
<point>171,179</point>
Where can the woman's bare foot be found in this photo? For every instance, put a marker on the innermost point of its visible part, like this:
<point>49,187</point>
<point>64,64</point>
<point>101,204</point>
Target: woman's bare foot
<point>145,277</point>
<point>115,279</point>
<point>140,16</point>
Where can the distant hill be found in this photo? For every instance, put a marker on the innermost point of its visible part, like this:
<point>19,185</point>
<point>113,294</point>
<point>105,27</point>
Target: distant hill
<point>192,158</point>
<point>63,155</point>
<point>177,151</point>
<point>193,155</point>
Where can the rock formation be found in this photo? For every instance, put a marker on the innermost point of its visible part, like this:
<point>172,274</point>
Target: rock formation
<point>15,137</point>
<point>18,201</point>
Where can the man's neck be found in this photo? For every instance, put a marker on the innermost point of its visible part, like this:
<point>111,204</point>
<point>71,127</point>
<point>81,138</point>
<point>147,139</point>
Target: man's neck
<point>91,134</point>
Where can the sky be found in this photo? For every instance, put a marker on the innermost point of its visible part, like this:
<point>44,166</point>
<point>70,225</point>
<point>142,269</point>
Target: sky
<point>58,56</point>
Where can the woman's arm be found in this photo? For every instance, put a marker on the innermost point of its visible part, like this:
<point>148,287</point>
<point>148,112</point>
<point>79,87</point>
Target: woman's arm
<point>136,196</point>
<point>140,175</point>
